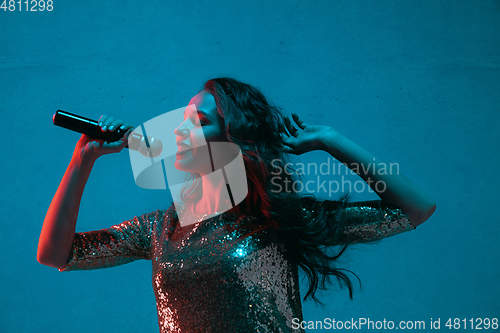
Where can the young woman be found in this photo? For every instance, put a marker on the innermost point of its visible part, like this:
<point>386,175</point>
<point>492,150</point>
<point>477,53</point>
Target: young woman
<point>236,271</point>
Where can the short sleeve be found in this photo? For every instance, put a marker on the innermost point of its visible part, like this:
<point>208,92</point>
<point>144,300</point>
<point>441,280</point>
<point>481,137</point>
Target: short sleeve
<point>114,246</point>
<point>360,222</point>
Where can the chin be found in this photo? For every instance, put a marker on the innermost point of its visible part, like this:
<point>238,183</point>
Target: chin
<point>179,166</point>
<point>184,166</point>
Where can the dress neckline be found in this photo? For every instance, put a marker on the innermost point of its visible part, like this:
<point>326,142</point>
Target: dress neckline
<point>195,218</point>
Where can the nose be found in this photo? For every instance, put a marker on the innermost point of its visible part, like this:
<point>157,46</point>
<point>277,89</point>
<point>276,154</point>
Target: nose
<point>182,130</point>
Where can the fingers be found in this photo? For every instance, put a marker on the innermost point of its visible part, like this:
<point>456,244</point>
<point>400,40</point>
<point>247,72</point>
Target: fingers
<point>101,122</point>
<point>111,124</point>
<point>282,131</point>
<point>289,134</point>
<point>288,150</point>
<point>287,144</point>
<point>300,123</point>
<point>127,126</point>
<point>123,141</point>
<point>97,148</point>
<point>291,129</point>
<point>105,122</point>
<point>126,135</point>
<point>286,138</point>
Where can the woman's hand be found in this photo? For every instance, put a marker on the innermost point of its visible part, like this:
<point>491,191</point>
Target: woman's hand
<point>306,138</point>
<point>94,148</point>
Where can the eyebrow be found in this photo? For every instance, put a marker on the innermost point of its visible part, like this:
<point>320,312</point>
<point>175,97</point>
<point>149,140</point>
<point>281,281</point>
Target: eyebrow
<point>199,111</point>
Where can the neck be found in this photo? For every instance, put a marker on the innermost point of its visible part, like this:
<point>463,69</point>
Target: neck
<point>215,196</point>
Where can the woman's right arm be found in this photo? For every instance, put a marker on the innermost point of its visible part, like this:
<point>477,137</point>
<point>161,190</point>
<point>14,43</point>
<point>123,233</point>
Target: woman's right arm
<point>58,230</point>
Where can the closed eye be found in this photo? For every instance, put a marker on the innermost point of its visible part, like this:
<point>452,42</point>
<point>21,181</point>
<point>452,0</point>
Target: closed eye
<point>203,121</point>
<point>200,120</point>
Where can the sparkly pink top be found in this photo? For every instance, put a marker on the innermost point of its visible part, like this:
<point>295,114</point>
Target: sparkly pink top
<point>229,273</point>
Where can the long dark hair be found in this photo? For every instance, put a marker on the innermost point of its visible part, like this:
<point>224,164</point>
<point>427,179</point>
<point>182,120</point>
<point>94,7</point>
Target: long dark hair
<point>249,120</point>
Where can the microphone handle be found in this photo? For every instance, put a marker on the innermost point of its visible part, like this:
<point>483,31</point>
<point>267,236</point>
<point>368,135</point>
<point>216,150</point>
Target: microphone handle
<point>85,126</point>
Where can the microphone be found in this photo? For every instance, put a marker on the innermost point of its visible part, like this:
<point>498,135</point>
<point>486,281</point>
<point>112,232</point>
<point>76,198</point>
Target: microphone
<point>147,146</point>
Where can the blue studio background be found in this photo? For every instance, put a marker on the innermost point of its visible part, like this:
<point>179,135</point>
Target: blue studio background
<point>414,82</point>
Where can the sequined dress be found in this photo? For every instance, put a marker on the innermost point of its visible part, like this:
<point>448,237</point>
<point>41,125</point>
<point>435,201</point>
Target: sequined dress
<point>229,273</point>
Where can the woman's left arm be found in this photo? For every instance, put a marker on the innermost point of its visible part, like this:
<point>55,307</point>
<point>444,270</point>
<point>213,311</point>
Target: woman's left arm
<point>398,191</point>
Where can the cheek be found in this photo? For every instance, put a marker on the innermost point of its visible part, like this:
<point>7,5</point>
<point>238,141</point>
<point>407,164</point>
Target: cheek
<point>212,134</point>
<point>197,136</point>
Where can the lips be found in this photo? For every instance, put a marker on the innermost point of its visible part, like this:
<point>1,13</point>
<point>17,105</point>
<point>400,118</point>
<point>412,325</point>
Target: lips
<point>183,147</point>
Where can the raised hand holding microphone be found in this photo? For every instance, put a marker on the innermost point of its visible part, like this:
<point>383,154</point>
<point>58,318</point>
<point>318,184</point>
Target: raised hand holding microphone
<point>96,147</point>
<point>106,130</point>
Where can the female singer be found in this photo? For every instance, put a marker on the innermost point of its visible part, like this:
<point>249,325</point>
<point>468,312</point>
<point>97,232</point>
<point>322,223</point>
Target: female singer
<point>236,271</point>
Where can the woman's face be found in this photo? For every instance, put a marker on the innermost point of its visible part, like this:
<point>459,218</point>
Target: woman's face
<point>200,125</point>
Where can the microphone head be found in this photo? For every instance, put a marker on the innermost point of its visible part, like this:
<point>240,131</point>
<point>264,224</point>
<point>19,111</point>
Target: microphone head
<point>151,148</point>
<point>154,150</point>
